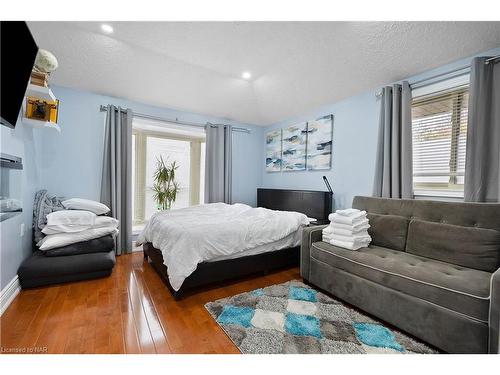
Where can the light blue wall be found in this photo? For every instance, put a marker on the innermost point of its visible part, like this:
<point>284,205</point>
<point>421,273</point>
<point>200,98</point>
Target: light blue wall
<point>354,144</point>
<point>72,160</point>
<point>23,142</point>
<point>354,147</point>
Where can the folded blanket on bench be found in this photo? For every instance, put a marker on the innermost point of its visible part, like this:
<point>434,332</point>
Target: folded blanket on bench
<point>102,244</point>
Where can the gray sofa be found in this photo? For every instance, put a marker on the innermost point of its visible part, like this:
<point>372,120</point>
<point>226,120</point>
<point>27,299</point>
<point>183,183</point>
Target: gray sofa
<point>431,270</point>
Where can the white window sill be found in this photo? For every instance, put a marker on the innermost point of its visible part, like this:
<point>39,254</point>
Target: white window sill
<point>443,195</point>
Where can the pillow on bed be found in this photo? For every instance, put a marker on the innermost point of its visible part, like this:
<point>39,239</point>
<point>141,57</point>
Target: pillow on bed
<point>86,204</point>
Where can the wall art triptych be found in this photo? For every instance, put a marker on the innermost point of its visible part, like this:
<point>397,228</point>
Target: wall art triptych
<point>304,146</point>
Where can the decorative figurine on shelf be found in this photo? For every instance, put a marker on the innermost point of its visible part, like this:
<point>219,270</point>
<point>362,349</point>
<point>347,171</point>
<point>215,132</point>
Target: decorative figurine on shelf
<point>41,104</point>
<point>45,62</point>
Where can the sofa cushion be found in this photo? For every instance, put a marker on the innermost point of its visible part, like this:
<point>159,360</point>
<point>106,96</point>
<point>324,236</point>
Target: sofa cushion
<point>471,247</point>
<point>388,230</point>
<point>460,289</point>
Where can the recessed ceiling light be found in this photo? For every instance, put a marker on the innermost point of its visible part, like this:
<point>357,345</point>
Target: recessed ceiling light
<point>246,75</point>
<point>108,29</point>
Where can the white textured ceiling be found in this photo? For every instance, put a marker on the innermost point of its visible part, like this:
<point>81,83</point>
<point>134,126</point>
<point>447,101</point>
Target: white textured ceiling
<point>296,66</point>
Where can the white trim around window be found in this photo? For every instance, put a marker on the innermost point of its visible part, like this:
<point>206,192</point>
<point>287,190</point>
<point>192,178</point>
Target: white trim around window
<point>141,134</point>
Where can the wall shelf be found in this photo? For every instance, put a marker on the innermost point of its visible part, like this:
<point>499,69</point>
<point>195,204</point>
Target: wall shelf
<point>40,92</point>
<point>41,124</point>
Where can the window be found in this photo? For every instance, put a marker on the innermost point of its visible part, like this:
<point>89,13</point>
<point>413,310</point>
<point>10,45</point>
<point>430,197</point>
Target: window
<point>439,122</point>
<point>151,140</point>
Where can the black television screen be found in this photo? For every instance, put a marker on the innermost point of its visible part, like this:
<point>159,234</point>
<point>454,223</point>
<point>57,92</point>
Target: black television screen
<point>17,53</point>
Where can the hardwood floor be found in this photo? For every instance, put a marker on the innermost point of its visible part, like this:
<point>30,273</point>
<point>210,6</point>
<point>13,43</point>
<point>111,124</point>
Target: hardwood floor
<point>129,312</point>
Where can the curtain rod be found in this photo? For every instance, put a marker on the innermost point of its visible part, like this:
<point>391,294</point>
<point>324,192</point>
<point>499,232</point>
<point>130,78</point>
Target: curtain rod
<point>104,108</point>
<point>454,72</point>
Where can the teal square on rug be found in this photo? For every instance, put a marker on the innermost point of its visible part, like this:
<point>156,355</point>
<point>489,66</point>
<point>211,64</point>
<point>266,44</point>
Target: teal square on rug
<point>302,294</point>
<point>376,335</point>
<point>302,325</point>
<point>236,315</point>
<point>294,318</point>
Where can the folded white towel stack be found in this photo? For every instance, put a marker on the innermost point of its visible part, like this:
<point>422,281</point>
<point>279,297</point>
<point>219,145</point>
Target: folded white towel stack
<point>348,229</point>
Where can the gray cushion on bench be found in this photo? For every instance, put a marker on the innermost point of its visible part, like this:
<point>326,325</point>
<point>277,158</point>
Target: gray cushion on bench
<point>460,289</point>
<point>471,247</point>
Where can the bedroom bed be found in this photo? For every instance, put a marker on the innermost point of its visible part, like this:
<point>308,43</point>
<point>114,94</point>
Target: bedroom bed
<point>239,242</point>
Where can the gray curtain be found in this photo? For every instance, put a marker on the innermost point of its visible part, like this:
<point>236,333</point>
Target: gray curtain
<point>394,166</point>
<point>218,163</point>
<point>482,176</point>
<point>116,183</point>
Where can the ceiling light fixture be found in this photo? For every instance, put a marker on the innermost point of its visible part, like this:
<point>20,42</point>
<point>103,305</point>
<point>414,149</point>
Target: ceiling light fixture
<point>108,29</point>
<point>246,75</point>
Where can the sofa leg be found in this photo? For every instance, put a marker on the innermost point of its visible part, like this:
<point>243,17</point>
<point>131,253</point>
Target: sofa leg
<point>145,255</point>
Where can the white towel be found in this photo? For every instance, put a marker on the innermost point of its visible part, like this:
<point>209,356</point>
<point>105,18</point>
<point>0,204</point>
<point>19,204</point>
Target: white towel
<point>348,232</point>
<point>327,239</point>
<point>349,245</point>
<point>362,225</point>
<point>336,218</point>
<point>350,212</point>
<point>331,230</point>
<point>363,237</point>
<point>328,229</point>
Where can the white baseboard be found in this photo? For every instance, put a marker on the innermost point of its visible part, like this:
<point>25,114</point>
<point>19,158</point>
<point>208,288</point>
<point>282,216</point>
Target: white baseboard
<point>8,294</point>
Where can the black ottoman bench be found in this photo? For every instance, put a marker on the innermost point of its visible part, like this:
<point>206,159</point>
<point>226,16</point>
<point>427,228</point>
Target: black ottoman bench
<point>71,263</point>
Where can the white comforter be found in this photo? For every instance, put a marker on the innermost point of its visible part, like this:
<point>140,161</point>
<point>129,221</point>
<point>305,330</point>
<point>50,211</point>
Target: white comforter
<point>189,236</point>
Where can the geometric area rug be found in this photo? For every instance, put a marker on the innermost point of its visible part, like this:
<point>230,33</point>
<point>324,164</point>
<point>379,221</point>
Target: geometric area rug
<point>294,318</point>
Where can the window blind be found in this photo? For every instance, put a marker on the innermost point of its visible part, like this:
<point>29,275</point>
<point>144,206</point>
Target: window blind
<point>439,124</point>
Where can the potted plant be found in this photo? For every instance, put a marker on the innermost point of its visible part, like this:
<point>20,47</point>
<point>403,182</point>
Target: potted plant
<point>165,187</point>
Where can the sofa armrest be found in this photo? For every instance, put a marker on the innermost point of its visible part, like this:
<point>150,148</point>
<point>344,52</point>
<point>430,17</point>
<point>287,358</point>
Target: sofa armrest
<point>494,317</point>
<point>309,235</point>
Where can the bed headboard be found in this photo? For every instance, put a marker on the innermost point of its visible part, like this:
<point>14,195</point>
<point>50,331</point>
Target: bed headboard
<point>316,204</point>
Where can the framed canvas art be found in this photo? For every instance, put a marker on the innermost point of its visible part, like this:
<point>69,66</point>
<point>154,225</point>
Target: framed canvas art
<point>294,147</point>
<point>319,143</point>
<point>273,151</point>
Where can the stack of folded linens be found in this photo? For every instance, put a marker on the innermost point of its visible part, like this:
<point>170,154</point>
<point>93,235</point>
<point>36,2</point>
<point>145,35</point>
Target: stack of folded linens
<point>348,229</point>
<point>78,230</point>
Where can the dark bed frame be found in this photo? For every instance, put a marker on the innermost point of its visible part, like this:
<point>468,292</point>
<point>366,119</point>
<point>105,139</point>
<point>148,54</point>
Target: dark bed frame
<point>316,204</point>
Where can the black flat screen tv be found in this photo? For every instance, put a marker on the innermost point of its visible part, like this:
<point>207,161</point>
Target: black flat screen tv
<point>17,55</point>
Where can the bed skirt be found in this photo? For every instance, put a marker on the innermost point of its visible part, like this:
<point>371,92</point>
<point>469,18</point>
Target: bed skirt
<point>209,273</point>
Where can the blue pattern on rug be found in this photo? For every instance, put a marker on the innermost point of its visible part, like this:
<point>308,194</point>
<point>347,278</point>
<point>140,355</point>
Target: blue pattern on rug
<point>302,325</point>
<point>295,318</point>
<point>258,292</point>
<point>236,315</point>
<point>376,335</point>
<point>302,294</point>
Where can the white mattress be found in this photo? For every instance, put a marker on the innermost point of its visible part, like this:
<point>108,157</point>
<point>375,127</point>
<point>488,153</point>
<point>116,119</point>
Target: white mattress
<point>292,240</point>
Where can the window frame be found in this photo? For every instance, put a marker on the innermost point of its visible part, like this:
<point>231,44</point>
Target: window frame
<point>444,87</point>
<point>140,146</point>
